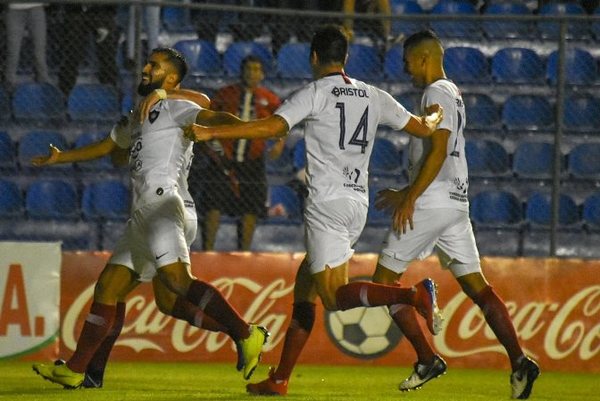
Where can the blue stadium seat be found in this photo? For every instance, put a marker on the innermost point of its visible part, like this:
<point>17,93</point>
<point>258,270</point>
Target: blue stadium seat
<point>93,103</point>
<point>496,208</point>
<point>52,199</point>
<point>482,112</point>
<point>409,101</point>
<point>393,64</point>
<point>527,112</point>
<point>74,236</point>
<point>534,160</point>
<point>177,20</point>
<point>87,138</point>
<point>293,61</point>
<point>584,161</point>
<point>4,105</point>
<point>107,200</point>
<point>363,63</point>
<point>591,211</point>
<point>486,158</point>
<point>299,155</point>
<point>582,113</point>
<point>538,211</point>
<point>201,56</point>
<point>405,27</point>
<point>38,102</point>
<point>284,205</point>
<point>466,65</point>
<point>551,30</point>
<point>8,154</point>
<point>37,143</point>
<point>517,65</point>
<point>507,29</point>
<point>455,29</point>
<point>11,200</point>
<point>580,67</point>
<point>386,159</point>
<point>283,165</point>
<point>237,51</point>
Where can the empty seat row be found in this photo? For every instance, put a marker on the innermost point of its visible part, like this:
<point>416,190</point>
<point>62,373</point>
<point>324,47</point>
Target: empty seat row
<point>494,29</point>
<point>531,159</point>
<point>45,102</point>
<point>462,64</point>
<point>36,143</point>
<point>581,113</point>
<point>503,208</point>
<point>59,200</point>
<point>56,199</point>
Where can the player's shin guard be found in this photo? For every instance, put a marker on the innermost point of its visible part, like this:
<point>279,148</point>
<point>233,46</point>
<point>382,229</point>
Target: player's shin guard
<point>97,325</point>
<point>185,310</point>
<point>97,365</point>
<point>213,304</point>
<point>303,319</point>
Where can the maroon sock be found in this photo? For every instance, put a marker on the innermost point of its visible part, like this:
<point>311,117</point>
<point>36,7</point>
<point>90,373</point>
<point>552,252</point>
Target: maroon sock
<point>97,325</point>
<point>497,317</point>
<point>303,318</point>
<point>100,358</point>
<point>365,293</point>
<point>406,319</point>
<point>212,303</point>
<point>185,310</point>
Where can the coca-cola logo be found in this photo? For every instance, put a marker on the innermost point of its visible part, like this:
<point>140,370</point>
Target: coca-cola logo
<point>145,326</point>
<point>563,329</point>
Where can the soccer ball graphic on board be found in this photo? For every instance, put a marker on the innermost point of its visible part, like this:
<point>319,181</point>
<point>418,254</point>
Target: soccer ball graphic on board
<point>364,333</point>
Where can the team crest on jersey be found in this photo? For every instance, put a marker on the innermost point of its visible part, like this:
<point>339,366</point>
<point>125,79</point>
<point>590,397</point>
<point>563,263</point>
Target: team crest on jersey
<point>153,116</point>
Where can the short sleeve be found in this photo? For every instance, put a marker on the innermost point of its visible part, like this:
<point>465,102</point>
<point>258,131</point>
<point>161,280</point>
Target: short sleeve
<point>434,95</point>
<point>121,136</point>
<point>298,106</point>
<point>183,112</point>
<point>393,114</point>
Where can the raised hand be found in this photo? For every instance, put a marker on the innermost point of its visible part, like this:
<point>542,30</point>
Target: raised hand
<point>434,115</point>
<point>51,158</point>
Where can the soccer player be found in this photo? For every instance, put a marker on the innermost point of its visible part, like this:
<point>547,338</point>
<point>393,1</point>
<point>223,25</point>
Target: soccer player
<point>341,116</point>
<point>436,208</point>
<point>155,245</point>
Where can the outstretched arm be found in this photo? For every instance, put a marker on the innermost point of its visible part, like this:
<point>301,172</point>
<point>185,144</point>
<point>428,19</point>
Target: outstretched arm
<point>273,126</point>
<point>89,152</point>
<point>424,126</point>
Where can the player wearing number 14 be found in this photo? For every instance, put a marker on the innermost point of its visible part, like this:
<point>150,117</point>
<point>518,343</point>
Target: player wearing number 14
<point>341,116</point>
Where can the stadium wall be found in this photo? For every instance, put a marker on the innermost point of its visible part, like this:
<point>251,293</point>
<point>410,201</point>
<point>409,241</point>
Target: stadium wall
<point>555,305</point>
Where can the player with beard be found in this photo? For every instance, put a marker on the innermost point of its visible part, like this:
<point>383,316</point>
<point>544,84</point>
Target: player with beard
<point>155,245</point>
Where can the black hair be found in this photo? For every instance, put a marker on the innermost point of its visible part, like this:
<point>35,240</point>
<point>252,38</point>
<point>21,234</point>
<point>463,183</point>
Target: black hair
<point>176,59</point>
<point>330,43</point>
<point>251,58</point>
<point>418,37</point>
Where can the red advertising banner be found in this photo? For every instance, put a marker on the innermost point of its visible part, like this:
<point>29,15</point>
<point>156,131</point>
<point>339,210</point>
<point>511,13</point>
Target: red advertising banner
<point>554,304</point>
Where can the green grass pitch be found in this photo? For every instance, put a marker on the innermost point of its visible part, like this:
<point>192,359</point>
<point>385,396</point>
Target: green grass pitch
<point>189,381</point>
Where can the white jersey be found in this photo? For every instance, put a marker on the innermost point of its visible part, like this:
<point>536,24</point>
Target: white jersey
<point>160,156</point>
<point>341,116</point>
<point>450,186</point>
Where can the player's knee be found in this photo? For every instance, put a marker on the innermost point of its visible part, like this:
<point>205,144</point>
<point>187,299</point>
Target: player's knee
<point>384,275</point>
